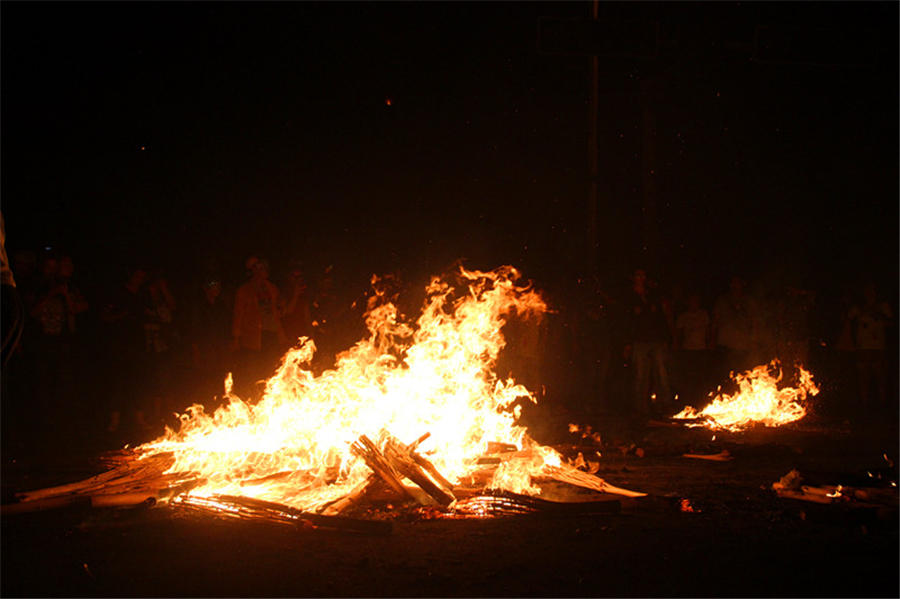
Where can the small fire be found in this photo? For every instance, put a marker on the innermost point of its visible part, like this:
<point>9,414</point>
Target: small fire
<point>432,383</point>
<point>759,400</point>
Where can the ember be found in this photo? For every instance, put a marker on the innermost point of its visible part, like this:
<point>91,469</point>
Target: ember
<point>758,401</point>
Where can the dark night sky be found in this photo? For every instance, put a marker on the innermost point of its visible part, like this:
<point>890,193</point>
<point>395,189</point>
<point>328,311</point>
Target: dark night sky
<point>374,135</point>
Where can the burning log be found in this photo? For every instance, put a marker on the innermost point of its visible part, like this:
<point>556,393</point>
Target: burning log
<point>397,460</point>
<point>86,501</point>
<point>268,511</point>
<point>507,503</point>
<point>365,449</point>
<point>133,472</point>
<point>404,461</point>
<point>353,498</point>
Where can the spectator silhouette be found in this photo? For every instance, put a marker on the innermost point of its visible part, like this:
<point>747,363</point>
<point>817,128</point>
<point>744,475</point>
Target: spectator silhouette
<point>733,329</point>
<point>692,327</point>
<point>842,366</point>
<point>326,312</point>
<point>13,320</point>
<point>12,313</point>
<point>873,317</point>
<point>53,355</point>
<point>647,344</point>
<point>256,328</point>
<point>296,320</point>
<point>122,317</point>
<point>600,337</point>
<point>209,333</point>
<point>160,334</point>
<point>794,320</point>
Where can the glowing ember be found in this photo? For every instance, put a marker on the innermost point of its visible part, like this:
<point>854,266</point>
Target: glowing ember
<point>294,445</point>
<point>759,400</point>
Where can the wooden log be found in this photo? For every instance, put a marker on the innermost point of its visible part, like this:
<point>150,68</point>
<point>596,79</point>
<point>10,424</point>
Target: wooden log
<point>504,502</point>
<point>354,497</point>
<point>378,527</point>
<point>402,462</point>
<point>118,500</point>
<point>417,442</point>
<point>366,449</point>
<point>432,470</point>
<point>137,470</point>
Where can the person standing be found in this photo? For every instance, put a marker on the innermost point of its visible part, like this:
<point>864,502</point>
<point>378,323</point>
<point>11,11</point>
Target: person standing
<point>734,329</point>
<point>692,349</point>
<point>209,332</point>
<point>873,316</point>
<point>12,311</point>
<point>54,370</point>
<point>296,320</point>
<point>256,328</point>
<point>122,317</point>
<point>648,345</point>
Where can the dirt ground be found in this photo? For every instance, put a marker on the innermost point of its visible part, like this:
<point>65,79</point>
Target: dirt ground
<point>707,529</point>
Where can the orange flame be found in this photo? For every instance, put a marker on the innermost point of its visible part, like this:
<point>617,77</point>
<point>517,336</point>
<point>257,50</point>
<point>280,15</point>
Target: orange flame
<point>293,445</point>
<point>758,401</point>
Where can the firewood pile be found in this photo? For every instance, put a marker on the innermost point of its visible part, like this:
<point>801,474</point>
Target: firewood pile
<point>401,478</point>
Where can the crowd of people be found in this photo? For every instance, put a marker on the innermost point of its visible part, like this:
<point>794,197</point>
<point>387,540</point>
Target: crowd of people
<point>133,356</point>
<point>645,352</point>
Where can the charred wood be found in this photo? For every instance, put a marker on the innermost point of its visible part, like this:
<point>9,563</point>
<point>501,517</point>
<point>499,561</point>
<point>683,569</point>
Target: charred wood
<point>267,510</point>
<point>365,449</point>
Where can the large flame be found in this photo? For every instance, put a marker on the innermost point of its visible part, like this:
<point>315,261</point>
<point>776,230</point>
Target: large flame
<point>437,377</point>
<point>759,400</point>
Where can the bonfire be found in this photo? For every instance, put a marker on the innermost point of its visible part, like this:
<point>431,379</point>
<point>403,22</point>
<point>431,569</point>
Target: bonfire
<point>761,399</point>
<point>414,408</point>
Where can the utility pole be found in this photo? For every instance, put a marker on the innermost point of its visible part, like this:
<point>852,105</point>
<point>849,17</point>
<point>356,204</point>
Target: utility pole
<point>593,156</point>
<point>614,39</point>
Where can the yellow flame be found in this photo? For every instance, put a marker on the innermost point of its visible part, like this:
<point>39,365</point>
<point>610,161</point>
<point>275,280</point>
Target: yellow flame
<point>759,400</point>
<point>293,445</point>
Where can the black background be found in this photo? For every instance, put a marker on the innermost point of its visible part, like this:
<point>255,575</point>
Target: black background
<point>381,135</point>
